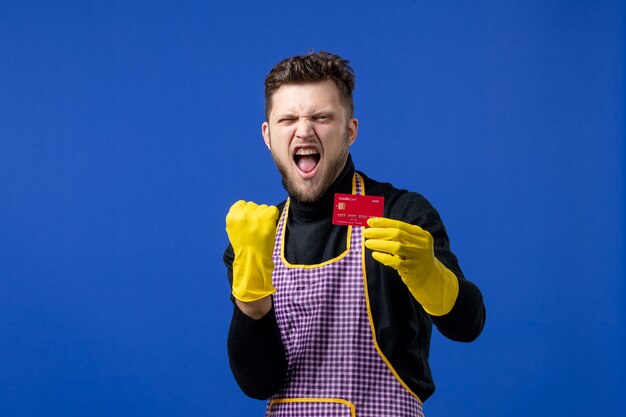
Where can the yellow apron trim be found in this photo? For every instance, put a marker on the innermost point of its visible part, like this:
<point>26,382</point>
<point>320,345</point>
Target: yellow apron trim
<point>316,400</point>
<point>371,320</point>
<point>330,261</point>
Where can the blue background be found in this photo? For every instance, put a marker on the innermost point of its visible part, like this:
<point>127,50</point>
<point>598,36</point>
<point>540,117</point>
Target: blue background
<point>128,128</point>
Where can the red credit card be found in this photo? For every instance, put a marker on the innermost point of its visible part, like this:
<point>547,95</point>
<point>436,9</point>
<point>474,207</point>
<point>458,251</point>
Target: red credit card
<point>354,210</point>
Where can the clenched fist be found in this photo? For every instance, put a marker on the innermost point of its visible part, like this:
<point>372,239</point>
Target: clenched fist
<point>251,229</point>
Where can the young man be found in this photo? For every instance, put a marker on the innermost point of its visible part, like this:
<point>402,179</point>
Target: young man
<point>333,320</point>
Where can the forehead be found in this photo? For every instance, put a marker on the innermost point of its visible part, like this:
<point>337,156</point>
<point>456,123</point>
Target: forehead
<point>306,97</point>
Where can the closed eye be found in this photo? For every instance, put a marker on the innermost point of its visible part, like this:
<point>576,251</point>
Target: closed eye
<point>287,120</point>
<point>322,118</point>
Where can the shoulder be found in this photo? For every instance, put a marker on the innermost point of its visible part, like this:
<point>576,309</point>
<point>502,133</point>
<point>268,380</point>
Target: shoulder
<point>281,206</point>
<point>401,204</point>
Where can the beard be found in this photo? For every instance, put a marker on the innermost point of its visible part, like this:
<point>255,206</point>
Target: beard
<point>312,190</point>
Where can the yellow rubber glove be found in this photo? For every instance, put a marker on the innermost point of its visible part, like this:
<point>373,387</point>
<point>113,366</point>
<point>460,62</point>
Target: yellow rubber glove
<point>251,229</point>
<point>409,250</point>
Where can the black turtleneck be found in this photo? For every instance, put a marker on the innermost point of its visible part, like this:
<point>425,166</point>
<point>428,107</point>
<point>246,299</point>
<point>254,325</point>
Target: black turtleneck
<point>403,328</point>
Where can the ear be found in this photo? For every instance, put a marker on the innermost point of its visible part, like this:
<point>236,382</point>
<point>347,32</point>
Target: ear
<point>265,131</point>
<point>353,127</point>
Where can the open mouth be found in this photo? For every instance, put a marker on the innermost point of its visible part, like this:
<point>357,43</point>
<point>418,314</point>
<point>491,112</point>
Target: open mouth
<point>306,160</point>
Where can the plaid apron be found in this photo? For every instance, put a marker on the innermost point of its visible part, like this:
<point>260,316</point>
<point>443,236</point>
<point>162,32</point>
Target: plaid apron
<point>334,365</point>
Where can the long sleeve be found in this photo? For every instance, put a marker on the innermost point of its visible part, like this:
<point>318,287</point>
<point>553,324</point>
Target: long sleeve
<point>255,351</point>
<point>466,320</point>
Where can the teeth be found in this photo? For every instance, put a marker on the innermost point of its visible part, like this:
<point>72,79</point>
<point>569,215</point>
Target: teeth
<point>306,152</point>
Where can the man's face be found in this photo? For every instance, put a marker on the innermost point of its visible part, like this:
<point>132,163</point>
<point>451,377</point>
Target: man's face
<point>309,133</point>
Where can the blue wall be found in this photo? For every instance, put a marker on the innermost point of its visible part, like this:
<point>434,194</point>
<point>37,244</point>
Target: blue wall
<point>128,128</point>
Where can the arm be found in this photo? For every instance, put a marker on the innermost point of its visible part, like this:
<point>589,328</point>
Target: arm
<point>255,350</point>
<point>465,321</point>
<point>417,247</point>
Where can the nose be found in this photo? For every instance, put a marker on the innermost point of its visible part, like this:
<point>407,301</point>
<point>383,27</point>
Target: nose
<point>304,129</point>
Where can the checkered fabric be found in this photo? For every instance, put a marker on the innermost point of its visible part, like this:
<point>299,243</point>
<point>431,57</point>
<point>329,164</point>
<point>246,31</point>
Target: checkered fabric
<point>334,369</point>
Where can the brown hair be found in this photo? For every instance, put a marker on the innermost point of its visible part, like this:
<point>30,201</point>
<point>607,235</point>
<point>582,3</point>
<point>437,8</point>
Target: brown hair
<point>311,68</point>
